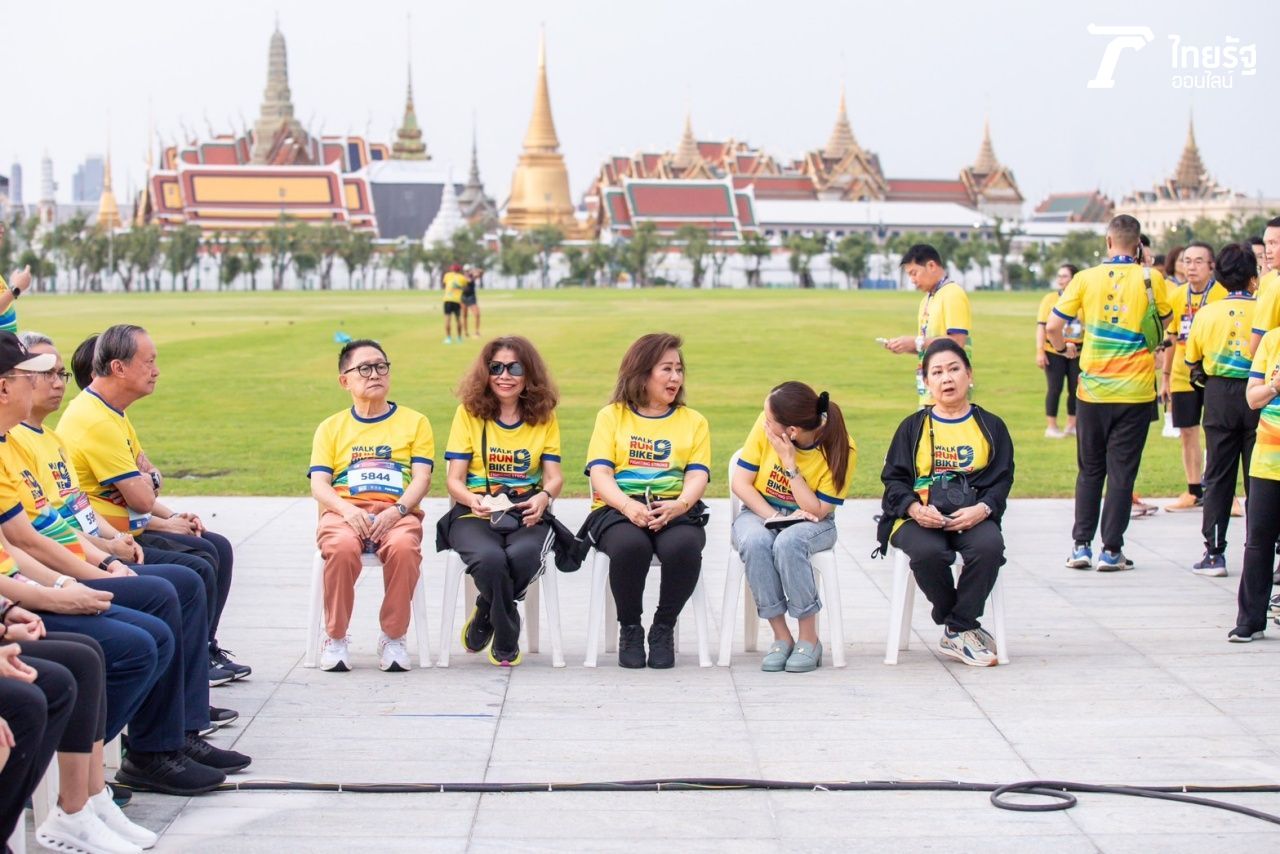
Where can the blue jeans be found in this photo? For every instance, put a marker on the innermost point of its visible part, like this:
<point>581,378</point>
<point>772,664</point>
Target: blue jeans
<point>779,565</point>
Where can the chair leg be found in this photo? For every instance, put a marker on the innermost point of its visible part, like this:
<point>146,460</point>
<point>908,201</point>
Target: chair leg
<point>551,583</point>
<point>596,606</point>
<point>454,569</point>
<point>111,753</point>
<point>315,611</point>
<point>899,609</point>
<point>732,580</point>
<point>421,626</point>
<point>997,618</point>
<point>703,624</point>
<point>611,619</point>
<point>18,841</point>
<point>532,616</point>
<point>750,619</point>
<point>825,564</point>
<point>45,798</point>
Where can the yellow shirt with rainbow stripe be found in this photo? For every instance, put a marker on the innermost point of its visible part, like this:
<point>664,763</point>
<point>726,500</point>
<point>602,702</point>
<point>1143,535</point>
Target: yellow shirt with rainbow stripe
<point>955,446</point>
<point>1186,305</point>
<point>9,317</point>
<point>1265,462</point>
<point>771,481</point>
<point>1220,337</point>
<point>1072,332</point>
<point>943,311</point>
<point>104,450</point>
<point>372,459</point>
<point>1267,314</point>
<point>18,482</point>
<point>47,457</point>
<point>516,452</point>
<point>653,453</point>
<point>1116,365</point>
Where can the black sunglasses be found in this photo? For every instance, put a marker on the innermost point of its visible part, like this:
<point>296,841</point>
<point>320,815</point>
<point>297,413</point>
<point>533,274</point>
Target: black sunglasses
<point>514,368</point>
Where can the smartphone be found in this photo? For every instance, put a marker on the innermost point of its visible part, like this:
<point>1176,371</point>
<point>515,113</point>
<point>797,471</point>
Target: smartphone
<point>648,497</point>
<point>882,341</point>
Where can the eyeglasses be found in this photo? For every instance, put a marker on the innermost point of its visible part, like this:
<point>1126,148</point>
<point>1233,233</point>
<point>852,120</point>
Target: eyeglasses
<point>23,375</point>
<point>366,371</point>
<point>51,375</point>
<point>516,369</point>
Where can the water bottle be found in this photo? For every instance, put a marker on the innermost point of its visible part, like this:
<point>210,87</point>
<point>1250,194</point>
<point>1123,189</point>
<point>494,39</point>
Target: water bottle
<point>370,547</point>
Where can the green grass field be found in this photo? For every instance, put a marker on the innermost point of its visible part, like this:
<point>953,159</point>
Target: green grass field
<point>245,378</point>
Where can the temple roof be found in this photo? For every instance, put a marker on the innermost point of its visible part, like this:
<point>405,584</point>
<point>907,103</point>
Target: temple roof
<point>1190,175</point>
<point>986,162</point>
<point>687,154</point>
<point>841,141</point>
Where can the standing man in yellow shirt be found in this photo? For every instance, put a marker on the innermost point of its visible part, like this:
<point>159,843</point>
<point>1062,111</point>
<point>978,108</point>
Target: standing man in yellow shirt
<point>1125,308</point>
<point>455,285</point>
<point>1186,402</point>
<point>1266,314</point>
<point>944,310</point>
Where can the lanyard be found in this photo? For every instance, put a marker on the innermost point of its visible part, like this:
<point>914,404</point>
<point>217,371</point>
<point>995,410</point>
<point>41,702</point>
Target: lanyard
<point>924,324</point>
<point>1121,259</point>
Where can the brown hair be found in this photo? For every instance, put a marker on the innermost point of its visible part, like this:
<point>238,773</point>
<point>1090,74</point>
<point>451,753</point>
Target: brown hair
<point>794,404</point>
<point>638,363</point>
<point>537,401</point>
<point>1171,262</point>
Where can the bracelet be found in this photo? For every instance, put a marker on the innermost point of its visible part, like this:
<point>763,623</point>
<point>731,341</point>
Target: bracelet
<point>62,581</point>
<point>105,562</point>
<point>686,504</point>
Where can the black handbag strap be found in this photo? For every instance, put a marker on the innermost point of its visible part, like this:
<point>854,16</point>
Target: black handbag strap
<point>484,455</point>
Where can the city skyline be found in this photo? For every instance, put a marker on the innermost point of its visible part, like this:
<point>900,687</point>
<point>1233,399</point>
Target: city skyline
<point>610,97</point>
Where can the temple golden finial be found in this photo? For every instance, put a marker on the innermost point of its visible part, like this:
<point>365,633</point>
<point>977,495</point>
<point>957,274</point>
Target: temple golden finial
<point>986,162</point>
<point>1191,171</point>
<point>842,140</point>
<point>687,154</point>
<point>541,135</point>
<point>540,185</point>
<point>108,208</point>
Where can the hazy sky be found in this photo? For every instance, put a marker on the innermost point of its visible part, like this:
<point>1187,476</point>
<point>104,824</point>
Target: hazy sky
<point>920,76</point>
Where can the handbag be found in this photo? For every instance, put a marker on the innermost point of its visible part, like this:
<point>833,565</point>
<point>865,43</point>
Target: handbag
<point>951,491</point>
<point>503,521</point>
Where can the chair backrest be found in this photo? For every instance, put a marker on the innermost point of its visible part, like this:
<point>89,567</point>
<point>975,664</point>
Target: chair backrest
<point>735,505</point>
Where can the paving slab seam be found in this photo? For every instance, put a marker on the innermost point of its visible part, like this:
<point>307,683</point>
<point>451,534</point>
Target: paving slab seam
<point>488,763</point>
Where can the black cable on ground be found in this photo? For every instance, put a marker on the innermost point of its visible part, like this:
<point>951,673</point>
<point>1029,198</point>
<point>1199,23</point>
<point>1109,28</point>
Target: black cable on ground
<point>1058,791</point>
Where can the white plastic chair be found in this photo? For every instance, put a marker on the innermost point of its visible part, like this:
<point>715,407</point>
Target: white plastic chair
<point>531,614</point>
<point>602,614</point>
<point>824,564</point>
<point>18,841</point>
<point>904,594</point>
<point>315,614</point>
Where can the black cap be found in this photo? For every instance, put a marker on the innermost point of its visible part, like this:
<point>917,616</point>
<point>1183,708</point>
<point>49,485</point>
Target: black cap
<point>14,355</point>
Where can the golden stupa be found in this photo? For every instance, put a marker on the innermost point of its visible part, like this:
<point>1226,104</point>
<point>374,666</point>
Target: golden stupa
<point>108,209</point>
<point>540,185</point>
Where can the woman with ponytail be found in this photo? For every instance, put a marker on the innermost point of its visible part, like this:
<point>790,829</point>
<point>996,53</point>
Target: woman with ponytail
<point>794,470</point>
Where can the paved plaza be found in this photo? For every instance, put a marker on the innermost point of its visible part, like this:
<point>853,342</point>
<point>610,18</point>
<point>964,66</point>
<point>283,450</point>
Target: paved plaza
<point>1119,678</point>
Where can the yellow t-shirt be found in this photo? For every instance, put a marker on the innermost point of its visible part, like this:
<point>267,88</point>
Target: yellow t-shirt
<point>1265,461</point>
<point>1266,316</point>
<point>371,459</point>
<point>1115,364</point>
<point>958,447</point>
<point>943,311</point>
<point>1185,306</point>
<point>773,484</point>
<point>1220,337</point>
<point>19,481</point>
<point>516,452</point>
<point>644,452</point>
<point>104,450</point>
<point>454,285</point>
<point>1073,332</point>
<point>9,317</point>
<point>48,459</point>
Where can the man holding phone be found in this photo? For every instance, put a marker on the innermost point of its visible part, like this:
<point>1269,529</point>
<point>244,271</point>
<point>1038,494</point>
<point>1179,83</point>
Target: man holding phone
<point>944,310</point>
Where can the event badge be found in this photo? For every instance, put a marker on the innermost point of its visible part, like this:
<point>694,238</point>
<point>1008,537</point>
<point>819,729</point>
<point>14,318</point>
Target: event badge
<point>381,476</point>
<point>1184,328</point>
<point>921,390</point>
<point>1074,331</point>
<point>78,509</point>
<point>137,521</point>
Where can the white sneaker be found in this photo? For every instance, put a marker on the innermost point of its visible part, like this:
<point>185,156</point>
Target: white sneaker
<point>115,819</point>
<point>393,654</point>
<point>1054,433</point>
<point>334,655</point>
<point>81,833</point>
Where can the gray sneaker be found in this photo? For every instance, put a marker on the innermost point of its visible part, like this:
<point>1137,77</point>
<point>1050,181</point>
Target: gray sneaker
<point>968,647</point>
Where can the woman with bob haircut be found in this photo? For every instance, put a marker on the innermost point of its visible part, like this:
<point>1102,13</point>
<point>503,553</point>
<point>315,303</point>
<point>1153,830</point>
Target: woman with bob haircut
<point>503,458</point>
<point>649,460</point>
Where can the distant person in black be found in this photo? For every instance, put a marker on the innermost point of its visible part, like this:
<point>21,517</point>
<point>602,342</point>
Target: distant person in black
<point>469,305</point>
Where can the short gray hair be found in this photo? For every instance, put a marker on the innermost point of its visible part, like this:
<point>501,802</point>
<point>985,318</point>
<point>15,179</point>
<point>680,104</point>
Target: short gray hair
<point>118,342</point>
<point>31,339</point>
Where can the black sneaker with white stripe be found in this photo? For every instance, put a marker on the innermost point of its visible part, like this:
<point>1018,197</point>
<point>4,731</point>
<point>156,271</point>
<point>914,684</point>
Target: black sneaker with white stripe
<point>219,657</point>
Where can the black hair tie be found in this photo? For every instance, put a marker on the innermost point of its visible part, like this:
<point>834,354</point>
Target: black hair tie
<point>823,400</point>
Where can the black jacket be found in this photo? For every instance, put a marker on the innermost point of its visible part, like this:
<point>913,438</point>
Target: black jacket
<point>899,473</point>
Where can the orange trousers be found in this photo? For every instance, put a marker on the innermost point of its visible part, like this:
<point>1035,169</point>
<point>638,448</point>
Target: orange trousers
<point>401,554</point>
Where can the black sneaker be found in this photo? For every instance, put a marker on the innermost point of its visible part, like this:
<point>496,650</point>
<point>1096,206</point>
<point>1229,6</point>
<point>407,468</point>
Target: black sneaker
<point>222,717</point>
<point>662,646</point>
<point>218,676</point>
<point>219,657</point>
<point>170,773</point>
<point>631,647</point>
<point>477,632</point>
<point>214,757</point>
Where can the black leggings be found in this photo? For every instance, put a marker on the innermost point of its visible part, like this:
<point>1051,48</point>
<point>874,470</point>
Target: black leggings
<point>82,657</point>
<point>630,550</point>
<point>1262,520</point>
<point>503,565</point>
<point>38,714</point>
<point>1059,370</point>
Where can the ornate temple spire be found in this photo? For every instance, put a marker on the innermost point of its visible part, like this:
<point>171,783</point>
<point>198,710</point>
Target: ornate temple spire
<point>476,205</point>
<point>108,208</point>
<point>986,162</point>
<point>1191,173</point>
<point>540,185</point>
<point>277,100</point>
<point>409,144</point>
<point>842,140</point>
<point>448,220</point>
<point>687,155</point>
<point>541,135</point>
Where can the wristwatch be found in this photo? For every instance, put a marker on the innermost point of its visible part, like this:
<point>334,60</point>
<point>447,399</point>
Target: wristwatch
<point>404,511</point>
<point>919,343</point>
<point>791,474</point>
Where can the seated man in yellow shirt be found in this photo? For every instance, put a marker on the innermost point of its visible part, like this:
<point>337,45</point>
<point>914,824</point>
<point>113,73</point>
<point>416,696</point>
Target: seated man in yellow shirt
<point>370,469</point>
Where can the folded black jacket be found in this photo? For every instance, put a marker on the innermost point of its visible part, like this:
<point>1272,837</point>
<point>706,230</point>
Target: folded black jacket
<point>899,474</point>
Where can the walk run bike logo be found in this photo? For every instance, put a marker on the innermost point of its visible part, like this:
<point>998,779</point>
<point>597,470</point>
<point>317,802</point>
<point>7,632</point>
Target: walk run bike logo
<point>1209,66</point>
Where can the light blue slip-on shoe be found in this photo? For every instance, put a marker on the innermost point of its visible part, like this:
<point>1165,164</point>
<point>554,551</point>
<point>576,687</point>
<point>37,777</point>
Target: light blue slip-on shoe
<point>776,660</point>
<point>806,657</point>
